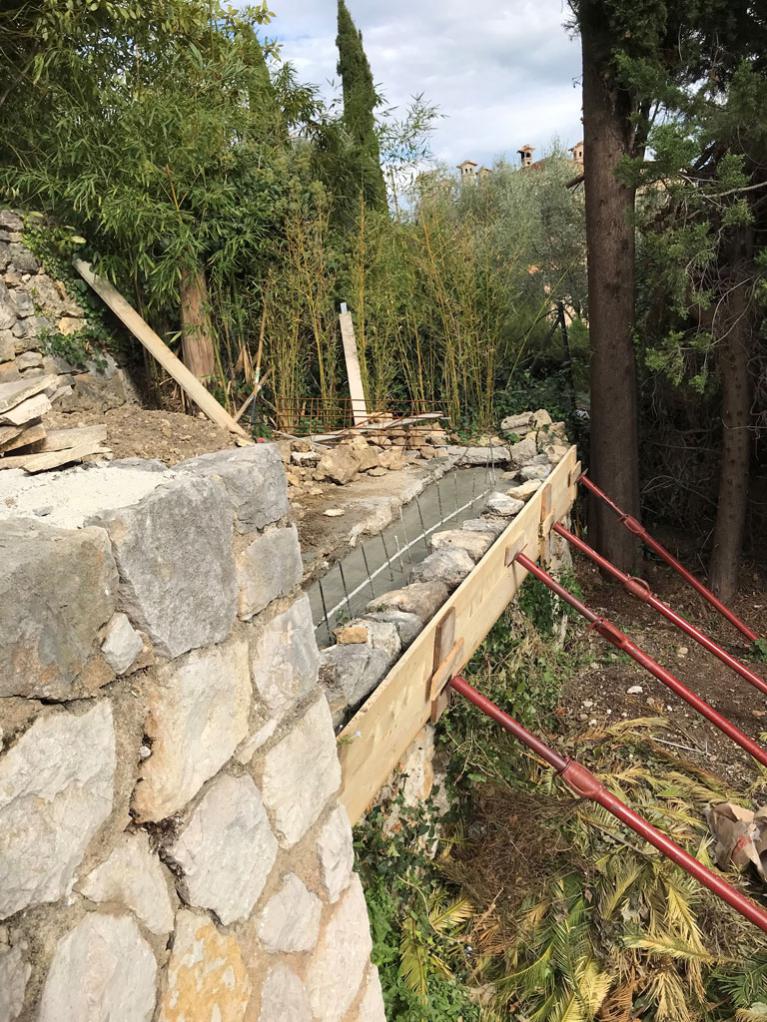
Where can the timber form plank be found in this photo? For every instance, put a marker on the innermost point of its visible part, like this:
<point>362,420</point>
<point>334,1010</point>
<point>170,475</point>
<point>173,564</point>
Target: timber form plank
<point>376,738</point>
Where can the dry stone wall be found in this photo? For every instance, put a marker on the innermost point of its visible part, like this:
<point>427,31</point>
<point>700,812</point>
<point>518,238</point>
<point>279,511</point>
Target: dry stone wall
<point>171,844</point>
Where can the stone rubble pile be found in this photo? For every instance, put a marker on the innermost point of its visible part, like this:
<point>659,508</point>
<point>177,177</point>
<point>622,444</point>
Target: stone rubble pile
<point>171,841</point>
<point>34,309</point>
<point>367,647</point>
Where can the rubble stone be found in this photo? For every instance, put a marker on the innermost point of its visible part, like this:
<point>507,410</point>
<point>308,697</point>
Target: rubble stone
<point>14,976</point>
<point>339,465</point>
<point>174,554</point>
<point>524,450</point>
<point>335,851</point>
<point>102,969</point>
<point>501,504</point>
<point>349,673</point>
<point>535,471</point>
<point>337,967</point>
<point>290,921</point>
<point>493,526</point>
<point>267,569</point>
<point>420,598</point>
<point>284,658</point>
<point>476,544</point>
<point>301,773</point>
<point>372,1005</point>
<point>407,625</point>
<point>207,980</point>
<point>520,424</point>
<point>525,490</point>
<point>227,850</point>
<point>198,715</point>
<point>450,566</point>
<point>381,635</point>
<point>132,876</point>
<point>56,790</point>
<point>57,589</point>
<point>122,644</point>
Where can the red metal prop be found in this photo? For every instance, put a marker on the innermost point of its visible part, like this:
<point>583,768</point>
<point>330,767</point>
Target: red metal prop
<point>639,530</point>
<point>622,642</point>
<point>580,780</point>
<point>639,588</point>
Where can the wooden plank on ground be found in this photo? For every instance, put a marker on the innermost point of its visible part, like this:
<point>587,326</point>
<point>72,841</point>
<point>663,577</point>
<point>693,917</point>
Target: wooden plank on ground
<point>375,739</point>
<point>353,373</point>
<point>160,350</point>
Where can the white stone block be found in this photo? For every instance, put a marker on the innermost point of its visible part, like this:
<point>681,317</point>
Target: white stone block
<point>14,975</point>
<point>133,877</point>
<point>198,715</point>
<point>337,967</point>
<point>335,850</point>
<point>290,921</point>
<point>122,644</point>
<point>283,998</point>
<point>267,569</point>
<point>372,1005</point>
<point>102,971</point>
<point>227,849</point>
<point>56,790</point>
<point>284,658</point>
<point>301,773</point>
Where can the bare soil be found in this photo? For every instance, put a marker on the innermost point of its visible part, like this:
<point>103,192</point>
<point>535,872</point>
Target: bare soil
<point>600,692</point>
<point>134,432</point>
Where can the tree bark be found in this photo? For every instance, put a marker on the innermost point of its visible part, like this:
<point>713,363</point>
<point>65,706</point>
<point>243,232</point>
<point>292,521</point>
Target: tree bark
<point>614,453</point>
<point>197,344</point>
<point>733,354</point>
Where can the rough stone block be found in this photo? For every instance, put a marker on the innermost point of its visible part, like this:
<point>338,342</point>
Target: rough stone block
<point>339,465</point>
<point>267,569</point>
<point>479,455</point>
<point>290,921</point>
<point>501,504</point>
<point>284,998</point>
<point>381,635</point>
<point>23,259</point>
<point>525,490</point>
<point>7,349</point>
<point>421,598</point>
<point>103,969</point>
<point>350,672</point>
<point>524,450</point>
<point>14,976</point>
<point>174,554</point>
<point>227,850</point>
<point>372,1005</point>
<point>254,478</point>
<point>448,566</point>
<point>207,980</point>
<point>301,773</point>
<point>57,589</point>
<point>337,967</point>
<point>284,658</point>
<point>407,625</point>
<point>536,471</point>
<point>122,644</point>
<point>133,876</point>
<point>520,424</point>
<point>198,715</point>
<point>56,790</point>
<point>476,544</point>
<point>335,851</point>
<point>493,526</point>
<point>541,418</point>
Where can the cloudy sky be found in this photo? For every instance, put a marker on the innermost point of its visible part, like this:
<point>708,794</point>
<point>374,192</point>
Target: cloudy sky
<point>502,73</point>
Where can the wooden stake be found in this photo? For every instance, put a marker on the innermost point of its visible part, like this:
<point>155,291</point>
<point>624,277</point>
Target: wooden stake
<point>160,350</point>
<point>356,391</point>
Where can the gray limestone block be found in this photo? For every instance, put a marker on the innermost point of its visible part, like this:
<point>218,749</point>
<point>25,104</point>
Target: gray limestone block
<point>476,544</point>
<point>268,568</point>
<point>536,471</point>
<point>284,658</point>
<point>175,557</point>
<point>56,790</point>
<point>407,625</point>
<point>502,504</point>
<point>494,526</point>
<point>23,259</point>
<point>254,478</point>
<point>351,672</point>
<point>57,589</point>
<point>479,455</point>
<point>524,450</point>
<point>450,566</point>
<point>420,598</point>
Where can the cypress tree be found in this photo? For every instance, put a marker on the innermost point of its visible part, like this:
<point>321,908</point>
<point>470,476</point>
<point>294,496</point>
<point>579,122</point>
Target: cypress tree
<point>360,101</point>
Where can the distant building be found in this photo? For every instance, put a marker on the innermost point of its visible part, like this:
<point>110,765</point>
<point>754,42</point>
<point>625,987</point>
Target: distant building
<point>471,172</point>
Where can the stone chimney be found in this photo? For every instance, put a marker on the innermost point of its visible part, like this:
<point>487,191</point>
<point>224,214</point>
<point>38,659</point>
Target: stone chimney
<point>468,170</point>
<point>526,155</point>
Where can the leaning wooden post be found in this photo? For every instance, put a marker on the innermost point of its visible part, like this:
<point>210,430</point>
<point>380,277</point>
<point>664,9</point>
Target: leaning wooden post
<point>160,350</point>
<point>356,390</point>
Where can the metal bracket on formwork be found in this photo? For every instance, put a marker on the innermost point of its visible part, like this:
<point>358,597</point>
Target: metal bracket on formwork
<point>448,659</point>
<point>544,528</point>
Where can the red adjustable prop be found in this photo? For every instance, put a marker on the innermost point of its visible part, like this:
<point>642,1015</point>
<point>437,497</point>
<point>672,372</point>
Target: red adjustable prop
<point>622,642</point>
<point>580,780</point>
<point>637,587</point>
<point>639,530</point>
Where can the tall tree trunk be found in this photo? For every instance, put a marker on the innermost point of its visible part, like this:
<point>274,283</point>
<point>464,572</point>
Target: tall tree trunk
<point>610,249</point>
<point>196,328</point>
<point>734,349</point>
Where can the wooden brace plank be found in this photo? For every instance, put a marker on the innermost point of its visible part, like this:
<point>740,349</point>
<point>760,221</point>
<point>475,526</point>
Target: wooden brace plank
<point>160,350</point>
<point>375,739</point>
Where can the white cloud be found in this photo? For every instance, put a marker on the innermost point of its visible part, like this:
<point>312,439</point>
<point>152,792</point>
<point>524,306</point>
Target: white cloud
<point>502,74</point>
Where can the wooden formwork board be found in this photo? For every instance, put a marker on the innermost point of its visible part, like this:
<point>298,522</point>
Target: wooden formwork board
<point>376,738</point>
